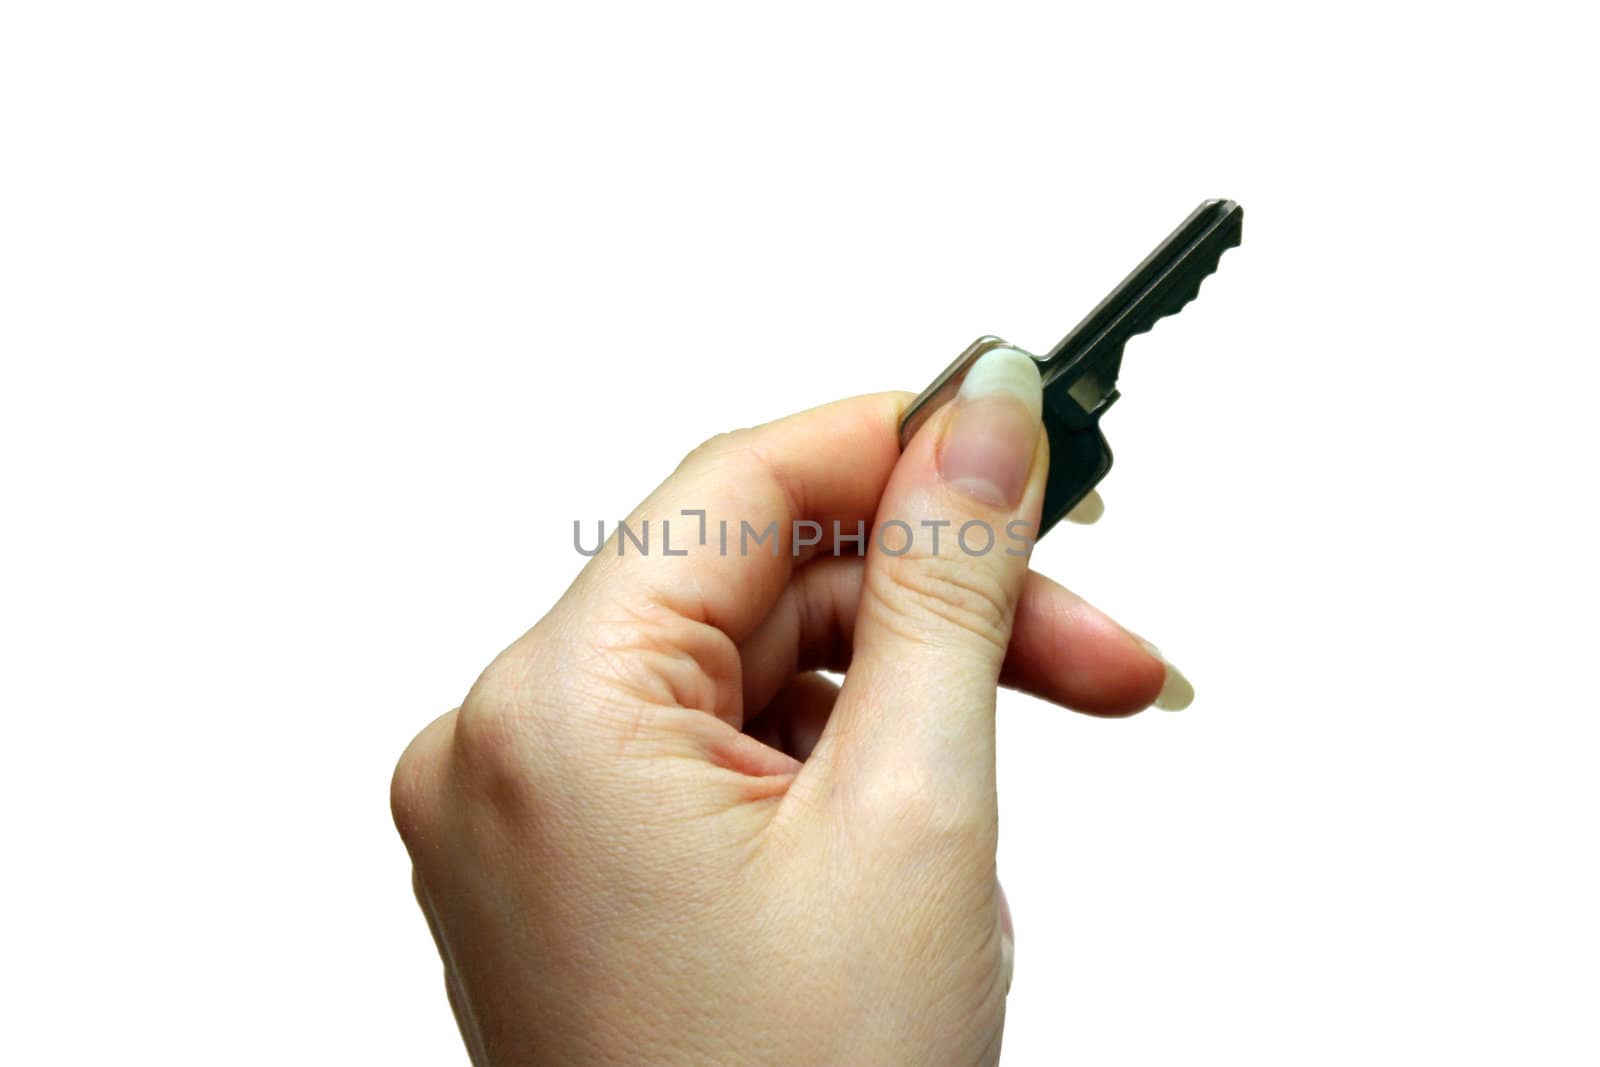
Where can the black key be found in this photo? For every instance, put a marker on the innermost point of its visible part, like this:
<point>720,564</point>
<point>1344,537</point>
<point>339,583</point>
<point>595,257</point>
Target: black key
<point>1080,373</point>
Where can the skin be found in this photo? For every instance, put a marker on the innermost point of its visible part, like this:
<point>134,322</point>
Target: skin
<point>651,833</point>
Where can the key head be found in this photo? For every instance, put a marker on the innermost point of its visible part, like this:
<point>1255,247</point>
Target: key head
<point>945,387</point>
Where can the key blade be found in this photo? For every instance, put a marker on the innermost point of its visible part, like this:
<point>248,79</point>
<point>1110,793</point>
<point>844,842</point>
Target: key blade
<point>1167,280</point>
<point>1080,373</point>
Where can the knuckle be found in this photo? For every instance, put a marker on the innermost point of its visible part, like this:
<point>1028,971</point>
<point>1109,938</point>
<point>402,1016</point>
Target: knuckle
<point>413,793</point>
<point>496,693</point>
<point>655,656</point>
<point>511,705</point>
<point>497,690</point>
<point>901,795</point>
<point>912,811</point>
<point>484,736</point>
<point>506,710</point>
<point>717,447</point>
<point>933,595</point>
<point>493,744</point>
<point>489,761</point>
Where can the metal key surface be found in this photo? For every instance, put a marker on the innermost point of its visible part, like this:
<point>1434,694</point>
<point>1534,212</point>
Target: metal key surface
<point>1080,372</point>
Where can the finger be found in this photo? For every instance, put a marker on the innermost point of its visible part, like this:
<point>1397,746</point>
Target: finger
<point>1066,650</point>
<point>1062,649</point>
<point>661,607</point>
<point>809,628</point>
<point>793,721</point>
<point>933,623</point>
<point>723,526</point>
<point>418,777</point>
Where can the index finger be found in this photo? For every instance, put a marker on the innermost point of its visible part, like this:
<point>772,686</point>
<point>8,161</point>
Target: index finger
<point>727,529</point>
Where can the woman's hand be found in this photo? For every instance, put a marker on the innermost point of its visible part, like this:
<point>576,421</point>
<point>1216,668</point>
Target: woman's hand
<point>652,833</point>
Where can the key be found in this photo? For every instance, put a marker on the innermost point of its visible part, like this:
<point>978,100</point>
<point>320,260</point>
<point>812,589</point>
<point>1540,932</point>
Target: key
<point>1080,373</point>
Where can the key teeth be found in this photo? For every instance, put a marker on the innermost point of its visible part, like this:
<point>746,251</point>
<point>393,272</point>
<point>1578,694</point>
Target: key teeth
<point>1175,303</point>
<point>1182,298</point>
<point>1179,299</point>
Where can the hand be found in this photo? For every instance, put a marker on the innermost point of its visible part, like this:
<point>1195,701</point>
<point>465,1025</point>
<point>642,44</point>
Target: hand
<point>652,833</point>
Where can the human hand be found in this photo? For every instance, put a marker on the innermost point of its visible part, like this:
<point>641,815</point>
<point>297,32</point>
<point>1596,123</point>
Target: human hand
<point>652,833</point>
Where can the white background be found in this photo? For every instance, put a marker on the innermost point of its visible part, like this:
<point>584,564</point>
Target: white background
<point>321,322</point>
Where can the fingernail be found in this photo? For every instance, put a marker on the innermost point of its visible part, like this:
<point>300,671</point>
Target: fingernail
<point>1176,692</point>
<point>988,446</point>
<point>1087,511</point>
<point>1008,937</point>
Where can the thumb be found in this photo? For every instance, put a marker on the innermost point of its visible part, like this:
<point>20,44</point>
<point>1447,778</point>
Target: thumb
<point>946,566</point>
